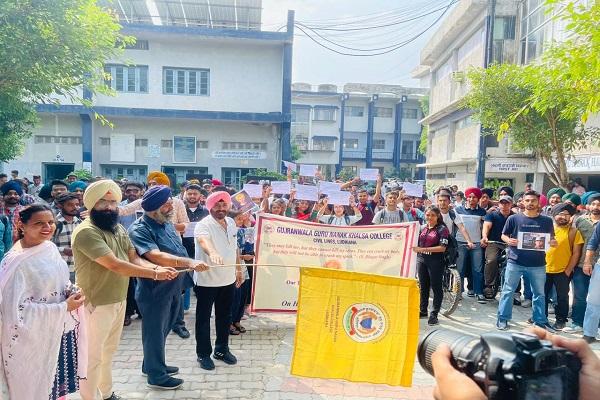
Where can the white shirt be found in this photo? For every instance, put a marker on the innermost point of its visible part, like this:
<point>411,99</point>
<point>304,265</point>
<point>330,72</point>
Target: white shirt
<point>448,221</point>
<point>340,221</point>
<point>225,243</point>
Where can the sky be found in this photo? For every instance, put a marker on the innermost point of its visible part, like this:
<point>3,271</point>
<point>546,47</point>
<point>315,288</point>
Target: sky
<point>315,65</point>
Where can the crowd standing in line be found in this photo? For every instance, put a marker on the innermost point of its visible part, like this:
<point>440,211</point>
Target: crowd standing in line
<point>82,258</point>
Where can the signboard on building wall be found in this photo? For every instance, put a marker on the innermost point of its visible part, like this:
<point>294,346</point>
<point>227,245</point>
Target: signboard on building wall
<point>513,165</point>
<point>239,154</point>
<point>122,147</point>
<point>184,149</point>
<point>587,163</point>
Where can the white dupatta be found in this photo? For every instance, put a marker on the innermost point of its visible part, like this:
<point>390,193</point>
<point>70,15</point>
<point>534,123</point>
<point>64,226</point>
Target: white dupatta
<point>33,318</point>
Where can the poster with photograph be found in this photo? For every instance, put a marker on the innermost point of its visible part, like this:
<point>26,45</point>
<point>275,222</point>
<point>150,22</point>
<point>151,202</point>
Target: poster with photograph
<point>242,202</point>
<point>533,241</point>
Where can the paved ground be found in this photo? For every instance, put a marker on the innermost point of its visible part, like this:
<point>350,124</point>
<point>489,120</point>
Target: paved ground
<point>264,354</point>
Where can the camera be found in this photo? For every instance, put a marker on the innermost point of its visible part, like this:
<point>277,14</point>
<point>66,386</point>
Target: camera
<point>508,365</point>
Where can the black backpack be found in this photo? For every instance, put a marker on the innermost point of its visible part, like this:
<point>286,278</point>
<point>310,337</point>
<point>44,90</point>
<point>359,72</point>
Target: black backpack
<point>451,253</point>
<point>346,218</point>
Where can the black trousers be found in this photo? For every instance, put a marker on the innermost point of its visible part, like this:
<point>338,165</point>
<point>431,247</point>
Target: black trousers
<point>131,306</point>
<point>430,271</point>
<point>221,297</point>
<point>561,282</point>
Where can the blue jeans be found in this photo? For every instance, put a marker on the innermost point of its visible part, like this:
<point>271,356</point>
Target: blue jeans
<point>581,283</point>
<point>475,255</point>
<point>537,279</point>
<point>592,311</point>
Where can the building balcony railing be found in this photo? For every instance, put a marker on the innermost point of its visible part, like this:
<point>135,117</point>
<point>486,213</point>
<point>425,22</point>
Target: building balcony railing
<point>354,153</point>
<point>383,155</point>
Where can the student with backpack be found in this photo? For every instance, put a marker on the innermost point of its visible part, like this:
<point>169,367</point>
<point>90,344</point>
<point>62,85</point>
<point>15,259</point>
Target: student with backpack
<point>339,216</point>
<point>444,199</point>
<point>391,214</point>
<point>410,213</point>
<point>433,240</point>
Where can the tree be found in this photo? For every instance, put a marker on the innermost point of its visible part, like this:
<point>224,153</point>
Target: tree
<point>296,153</point>
<point>576,59</point>
<point>50,48</point>
<point>527,103</point>
<point>424,129</point>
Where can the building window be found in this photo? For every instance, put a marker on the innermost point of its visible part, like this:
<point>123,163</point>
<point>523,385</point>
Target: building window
<point>354,111</point>
<point>300,115</point>
<point>408,149</point>
<point>39,139</point>
<point>128,79</point>
<point>324,144</point>
<point>301,141</point>
<point>141,143</point>
<point>202,144</point>
<point>243,146</point>
<point>351,170</point>
<point>166,144</point>
<point>464,122</point>
<point>193,82</point>
<point>324,114</point>
<point>378,144</point>
<point>350,144</point>
<point>138,45</point>
<point>383,112</point>
<point>104,141</point>
<point>409,113</point>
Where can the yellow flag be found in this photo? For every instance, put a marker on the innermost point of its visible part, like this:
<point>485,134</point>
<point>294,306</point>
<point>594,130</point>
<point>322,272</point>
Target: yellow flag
<point>355,326</point>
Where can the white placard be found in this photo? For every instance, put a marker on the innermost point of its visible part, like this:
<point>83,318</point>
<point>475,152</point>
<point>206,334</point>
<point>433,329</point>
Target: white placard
<point>307,192</point>
<point>308,170</point>
<point>328,187</point>
<point>122,147</point>
<point>534,241</point>
<point>281,187</point>
<point>340,198</point>
<point>412,189</point>
<point>253,190</point>
<point>369,174</point>
<point>189,230</point>
<point>290,165</point>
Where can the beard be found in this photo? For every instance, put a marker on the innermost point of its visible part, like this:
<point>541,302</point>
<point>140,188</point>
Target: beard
<point>163,218</point>
<point>106,220</point>
<point>218,215</point>
<point>562,223</point>
<point>70,214</point>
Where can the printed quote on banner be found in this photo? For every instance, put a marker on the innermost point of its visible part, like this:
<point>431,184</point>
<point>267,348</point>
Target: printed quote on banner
<point>375,249</point>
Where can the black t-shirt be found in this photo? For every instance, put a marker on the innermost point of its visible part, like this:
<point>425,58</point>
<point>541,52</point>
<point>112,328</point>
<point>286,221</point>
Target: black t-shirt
<point>521,223</point>
<point>498,220</point>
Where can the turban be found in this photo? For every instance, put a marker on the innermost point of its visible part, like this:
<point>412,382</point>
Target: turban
<point>560,207</point>
<point>159,177</point>
<point>45,192</point>
<point>518,196</point>
<point>585,197</point>
<point>12,185</point>
<point>573,198</point>
<point>488,191</point>
<point>155,197</point>
<point>216,182</point>
<point>216,197</point>
<point>77,185</point>
<point>543,200</point>
<point>559,191</point>
<point>98,190</point>
<point>593,197</point>
<point>509,191</point>
<point>473,190</point>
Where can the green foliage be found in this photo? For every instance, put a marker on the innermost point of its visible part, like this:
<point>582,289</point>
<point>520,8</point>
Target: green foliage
<point>262,172</point>
<point>346,174</point>
<point>422,149</point>
<point>402,174</point>
<point>82,174</point>
<point>495,183</point>
<point>296,153</point>
<point>50,47</point>
<point>527,103</point>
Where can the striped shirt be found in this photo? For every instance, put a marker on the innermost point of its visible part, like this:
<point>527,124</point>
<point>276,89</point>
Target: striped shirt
<point>62,237</point>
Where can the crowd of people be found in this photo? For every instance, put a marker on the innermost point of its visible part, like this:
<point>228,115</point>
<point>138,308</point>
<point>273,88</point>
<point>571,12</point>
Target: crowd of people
<point>81,258</point>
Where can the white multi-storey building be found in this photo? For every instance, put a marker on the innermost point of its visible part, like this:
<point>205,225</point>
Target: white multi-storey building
<point>203,91</point>
<point>454,152</point>
<point>363,125</point>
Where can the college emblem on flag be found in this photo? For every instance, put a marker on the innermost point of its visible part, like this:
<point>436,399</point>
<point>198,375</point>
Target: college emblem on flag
<point>356,326</point>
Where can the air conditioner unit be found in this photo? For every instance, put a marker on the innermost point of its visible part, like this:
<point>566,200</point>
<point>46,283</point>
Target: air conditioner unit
<point>458,76</point>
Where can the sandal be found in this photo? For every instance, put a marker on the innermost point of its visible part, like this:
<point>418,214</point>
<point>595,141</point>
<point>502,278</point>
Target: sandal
<point>239,327</point>
<point>233,330</point>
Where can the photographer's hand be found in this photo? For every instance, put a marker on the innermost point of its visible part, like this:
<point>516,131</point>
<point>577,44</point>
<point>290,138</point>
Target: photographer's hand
<point>589,379</point>
<point>448,379</point>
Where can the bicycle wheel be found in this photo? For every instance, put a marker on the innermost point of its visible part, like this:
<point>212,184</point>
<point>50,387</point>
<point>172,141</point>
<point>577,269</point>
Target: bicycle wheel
<point>451,285</point>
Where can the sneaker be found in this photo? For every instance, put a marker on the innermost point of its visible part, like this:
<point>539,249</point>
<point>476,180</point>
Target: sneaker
<point>526,303</point>
<point>589,339</point>
<point>573,328</point>
<point>433,320</point>
<point>226,357</point>
<point>169,384</point>
<point>481,299</point>
<point>422,315</point>
<point>559,325</point>
<point>551,308</point>
<point>171,370</point>
<point>546,326</point>
<point>529,321</point>
<point>113,396</point>
<point>206,363</point>
<point>502,325</point>
<point>471,293</point>
<point>182,332</point>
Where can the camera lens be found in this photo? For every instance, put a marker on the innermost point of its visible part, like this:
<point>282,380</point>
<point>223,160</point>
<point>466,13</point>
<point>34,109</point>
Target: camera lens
<point>462,345</point>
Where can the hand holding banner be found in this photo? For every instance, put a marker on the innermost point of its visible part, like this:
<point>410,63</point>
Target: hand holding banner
<point>290,165</point>
<point>281,187</point>
<point>307,192</point>
<point>412,189</point>
<point>369,174</point>
<point>253,190</point>
<point>328,187</point>
<point>308,170</point>
<point>339,198</point>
